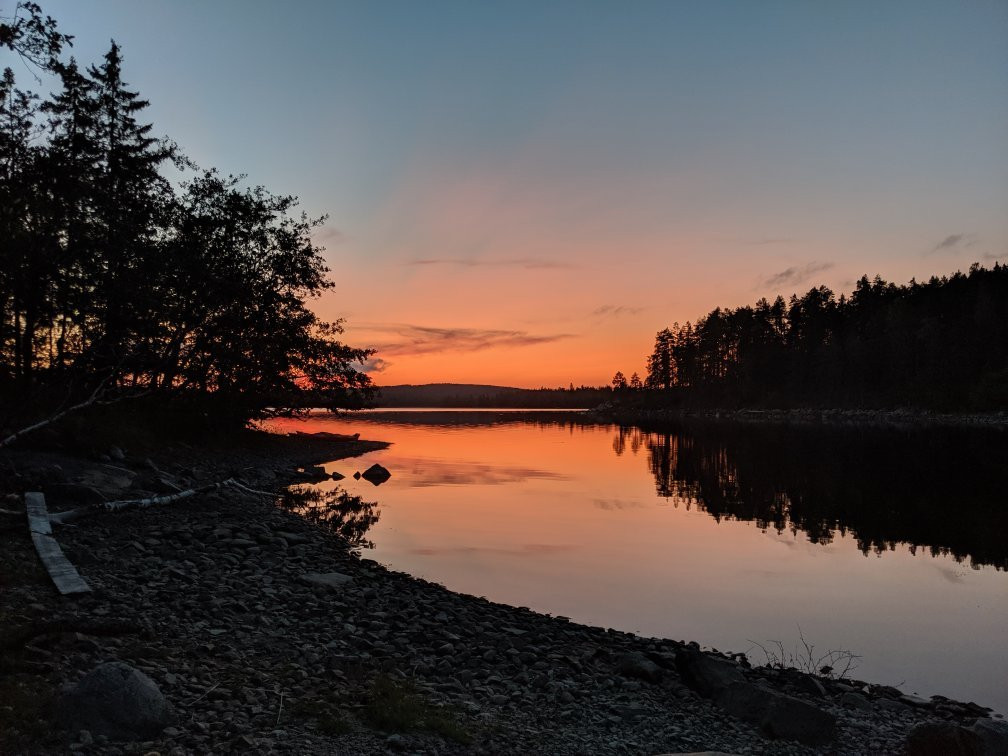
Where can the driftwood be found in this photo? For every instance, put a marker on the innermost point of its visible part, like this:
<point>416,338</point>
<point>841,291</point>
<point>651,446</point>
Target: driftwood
<point>64,575</point>
<point>63,518</point>
<point>49,420</point>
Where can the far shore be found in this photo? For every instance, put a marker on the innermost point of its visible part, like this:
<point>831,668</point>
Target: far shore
<point>267,634</point>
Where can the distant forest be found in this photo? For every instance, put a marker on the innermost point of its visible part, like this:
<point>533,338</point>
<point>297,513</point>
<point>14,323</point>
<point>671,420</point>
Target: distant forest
<point>120,278</point>
<point>940,345</point>
<point>484,396</point>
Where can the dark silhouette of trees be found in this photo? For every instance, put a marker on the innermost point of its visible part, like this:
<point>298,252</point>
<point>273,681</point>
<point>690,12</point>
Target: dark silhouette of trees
<point>937,489</point>
<point>942,344</point>
<point>112,276</point>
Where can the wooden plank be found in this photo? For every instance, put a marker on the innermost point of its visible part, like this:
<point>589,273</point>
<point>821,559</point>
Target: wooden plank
<point>64,575</point>
<point>38,516</point>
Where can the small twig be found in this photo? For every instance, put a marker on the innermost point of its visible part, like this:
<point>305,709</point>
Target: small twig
<point>207,692</point>
<point>280,711</point>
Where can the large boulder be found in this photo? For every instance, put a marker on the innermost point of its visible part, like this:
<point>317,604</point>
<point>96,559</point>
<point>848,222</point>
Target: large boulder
<point>707,675</point>
<point>943,739</point>
<point>118,701</point>
<point>777,715</point>
<point>637,665</point>
<point>993,733</point>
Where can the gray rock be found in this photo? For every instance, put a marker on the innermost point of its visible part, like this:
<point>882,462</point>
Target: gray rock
<point>777,715</point>
<point>73,493</point>
<point>376,474</point>
<point>706,674</point>
<point>116,453</point>
<point>943,739</point>
<point>326,579</point>
<point>639,666</point>
<point>994,734</point>
<point>117,701</point>
<point>855,701</point>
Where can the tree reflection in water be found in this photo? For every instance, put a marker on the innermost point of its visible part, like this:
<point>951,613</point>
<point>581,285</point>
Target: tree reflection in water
<point>346,516</point>
<point>941,490</point>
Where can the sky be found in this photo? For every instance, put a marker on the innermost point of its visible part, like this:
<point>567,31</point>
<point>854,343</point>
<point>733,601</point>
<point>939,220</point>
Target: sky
<point>524,193</point>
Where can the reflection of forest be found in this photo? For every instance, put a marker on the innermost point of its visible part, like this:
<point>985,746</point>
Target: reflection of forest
<point>941,490</point>
<point>344,515</point>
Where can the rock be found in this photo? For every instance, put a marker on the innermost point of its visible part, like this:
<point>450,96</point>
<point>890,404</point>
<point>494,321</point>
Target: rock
<point>357,475</point>
<point>376,474</point>
<point>639,666</point>
<point>943,739</point>
<point>74,493</point>
<point>116,453</point>
<point>337,476</point>
<point>994,735</point>
<point>707,675</point>
<point>778,715</point>
<point>316,473</point>
<point>326,579</point>
<point>118,701</point>
<point>855,701</point>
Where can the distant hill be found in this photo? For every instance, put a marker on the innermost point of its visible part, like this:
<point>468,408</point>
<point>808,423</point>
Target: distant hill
<point>484,395</point>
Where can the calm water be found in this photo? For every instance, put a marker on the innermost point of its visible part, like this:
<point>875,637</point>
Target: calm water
<point>889,544</point>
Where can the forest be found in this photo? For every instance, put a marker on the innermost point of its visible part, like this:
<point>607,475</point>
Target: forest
<point>125,270</point>
<point>940,345</point>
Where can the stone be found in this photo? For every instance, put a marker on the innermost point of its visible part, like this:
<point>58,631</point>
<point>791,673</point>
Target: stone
<point>994,735</point>
<point>118,701</point>
<point>855,701</point>
<point>74,493</point>
<point>639,666</point>
<point>116,453</point>
<point>943,739</point>
<point>326,579</point>
<point>376,474</point>
<point>707,675</point>
<point>778,715</point>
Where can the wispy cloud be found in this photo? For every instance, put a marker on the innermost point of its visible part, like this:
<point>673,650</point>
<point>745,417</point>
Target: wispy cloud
<point>766,241</point>
<point>516,262</point>
<point>954,242</point>
<point>615,311</point>
<point>376,365</point>
<point>796,274</point>
<point>328,235</point>
<point>406,338</point>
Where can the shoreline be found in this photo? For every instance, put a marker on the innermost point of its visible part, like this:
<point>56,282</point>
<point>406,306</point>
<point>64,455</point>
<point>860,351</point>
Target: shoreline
<point>227,619</point>
<point>894,418</point>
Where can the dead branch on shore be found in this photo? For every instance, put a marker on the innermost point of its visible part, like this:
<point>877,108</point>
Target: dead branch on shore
<point>70,515</point>
<point>52,419</point>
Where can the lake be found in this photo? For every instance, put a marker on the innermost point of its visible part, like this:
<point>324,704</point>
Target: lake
<point>886,544</point>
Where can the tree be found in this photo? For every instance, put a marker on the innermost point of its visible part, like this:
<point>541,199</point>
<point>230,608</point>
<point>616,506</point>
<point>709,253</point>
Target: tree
<point>619,381</point>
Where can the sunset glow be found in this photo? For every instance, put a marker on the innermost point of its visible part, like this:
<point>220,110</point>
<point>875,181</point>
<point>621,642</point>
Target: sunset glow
<point>556,183</point>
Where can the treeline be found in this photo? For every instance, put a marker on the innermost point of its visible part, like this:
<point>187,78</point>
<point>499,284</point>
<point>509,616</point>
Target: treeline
<point>483,397</point>
<point>941,344</point>
<point>114,278</point>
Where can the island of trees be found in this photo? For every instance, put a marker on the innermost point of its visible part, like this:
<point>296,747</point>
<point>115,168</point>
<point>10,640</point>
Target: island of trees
<point>116,280</point>
<point>939,345</point>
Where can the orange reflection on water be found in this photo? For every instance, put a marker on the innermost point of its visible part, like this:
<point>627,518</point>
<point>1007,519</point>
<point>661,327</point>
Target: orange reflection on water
<point>566,520</point>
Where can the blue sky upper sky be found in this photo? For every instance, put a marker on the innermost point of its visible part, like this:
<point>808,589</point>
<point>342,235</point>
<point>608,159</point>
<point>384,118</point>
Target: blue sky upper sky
<point>525,192</point>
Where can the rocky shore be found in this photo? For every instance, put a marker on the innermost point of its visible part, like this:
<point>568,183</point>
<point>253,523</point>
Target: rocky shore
<point>241,627</point>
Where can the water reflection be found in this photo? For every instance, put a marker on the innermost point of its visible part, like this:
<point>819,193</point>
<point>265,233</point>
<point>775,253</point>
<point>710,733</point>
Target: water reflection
<point>343,514</point>
<point>940,490</point>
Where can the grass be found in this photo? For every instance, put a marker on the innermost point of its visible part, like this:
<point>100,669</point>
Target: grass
<point>397,706</point>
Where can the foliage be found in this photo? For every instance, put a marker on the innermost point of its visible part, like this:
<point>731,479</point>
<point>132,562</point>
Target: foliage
<point>110,272</point>
<point>397,706</point>
<point>942,344</point>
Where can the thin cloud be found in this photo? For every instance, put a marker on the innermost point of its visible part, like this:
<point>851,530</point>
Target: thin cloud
<point>329,235</point>
<point>376,365</point>
<point>615,311</point>
<point>532,263</point>
<point>954,242</point>
<point>795,275</point>
<point>764,241</point>
<point>409,339</point>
